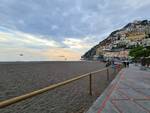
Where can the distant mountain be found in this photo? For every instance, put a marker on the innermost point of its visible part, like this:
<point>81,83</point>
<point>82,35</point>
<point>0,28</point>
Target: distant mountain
<point>135,33</point>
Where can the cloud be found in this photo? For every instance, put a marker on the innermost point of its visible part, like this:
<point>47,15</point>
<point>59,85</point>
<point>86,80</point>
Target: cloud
<point>70,25</point>
<point>84,43</point>
<point>19,39</point>
<point>33,47</point>
<point>13,54</point>
<point>136,4</point>
<point>29,54</point>
<point>65,18</point>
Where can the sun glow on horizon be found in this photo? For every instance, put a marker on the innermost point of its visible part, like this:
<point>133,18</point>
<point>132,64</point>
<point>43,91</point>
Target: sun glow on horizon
<point>35,48</point>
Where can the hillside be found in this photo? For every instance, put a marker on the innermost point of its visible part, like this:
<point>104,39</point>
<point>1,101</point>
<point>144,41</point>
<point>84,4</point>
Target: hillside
<point>135,33</point>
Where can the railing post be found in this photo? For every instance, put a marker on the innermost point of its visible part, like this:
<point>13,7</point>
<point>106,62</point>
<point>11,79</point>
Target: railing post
<point>107,74</point>
<point>90,84</point>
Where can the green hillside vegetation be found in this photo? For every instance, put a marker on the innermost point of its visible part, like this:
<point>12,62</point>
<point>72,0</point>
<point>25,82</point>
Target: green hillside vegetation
<point>137,52</point>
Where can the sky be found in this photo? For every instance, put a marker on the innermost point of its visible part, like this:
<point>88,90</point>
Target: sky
<point>46,30</point>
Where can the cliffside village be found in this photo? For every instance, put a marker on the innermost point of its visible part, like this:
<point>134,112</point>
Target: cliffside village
<point>119,44</point>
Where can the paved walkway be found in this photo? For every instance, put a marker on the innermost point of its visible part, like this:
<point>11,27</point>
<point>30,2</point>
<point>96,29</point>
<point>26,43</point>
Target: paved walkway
<point>128,93</point>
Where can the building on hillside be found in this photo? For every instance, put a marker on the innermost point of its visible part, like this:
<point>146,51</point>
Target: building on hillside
<point>118,54</point>
<point>146,42</point>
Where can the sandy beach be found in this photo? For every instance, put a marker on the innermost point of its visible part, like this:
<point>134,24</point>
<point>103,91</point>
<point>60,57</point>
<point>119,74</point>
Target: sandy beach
<point>22,77</point>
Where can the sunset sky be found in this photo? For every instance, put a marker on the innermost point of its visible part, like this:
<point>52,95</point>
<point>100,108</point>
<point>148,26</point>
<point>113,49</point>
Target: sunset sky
<point>58,29</point>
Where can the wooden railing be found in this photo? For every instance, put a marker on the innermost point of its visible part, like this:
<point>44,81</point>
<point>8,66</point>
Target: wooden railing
<point>14,100</point>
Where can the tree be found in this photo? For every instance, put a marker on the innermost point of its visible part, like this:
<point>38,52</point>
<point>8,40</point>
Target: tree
<point>139,52</point>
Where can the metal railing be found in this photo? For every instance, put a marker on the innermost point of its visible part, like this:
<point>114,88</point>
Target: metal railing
<point>14,100</point>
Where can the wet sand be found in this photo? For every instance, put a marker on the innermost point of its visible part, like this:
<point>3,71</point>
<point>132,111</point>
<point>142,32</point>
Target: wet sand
<point>23,77</point>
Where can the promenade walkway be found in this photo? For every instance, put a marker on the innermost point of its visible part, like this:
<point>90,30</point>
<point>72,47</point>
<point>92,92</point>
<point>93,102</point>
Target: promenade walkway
<point>128,93</point>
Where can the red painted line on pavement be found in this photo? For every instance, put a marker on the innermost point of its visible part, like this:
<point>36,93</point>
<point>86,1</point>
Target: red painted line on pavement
<point>108,96</point>
<point>148,97</point>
